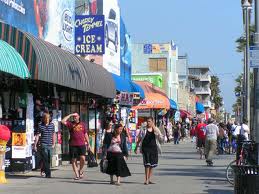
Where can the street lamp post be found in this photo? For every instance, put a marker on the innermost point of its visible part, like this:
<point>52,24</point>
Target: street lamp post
<point>246,8</point>
<point>256,82</point>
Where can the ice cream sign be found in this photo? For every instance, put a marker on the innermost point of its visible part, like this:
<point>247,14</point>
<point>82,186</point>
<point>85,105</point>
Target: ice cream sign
<point>89,34</point>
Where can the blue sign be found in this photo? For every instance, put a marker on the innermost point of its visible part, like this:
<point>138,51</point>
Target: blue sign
<point>89,34</point>
<point>254,56</point>
<point>147,48</point>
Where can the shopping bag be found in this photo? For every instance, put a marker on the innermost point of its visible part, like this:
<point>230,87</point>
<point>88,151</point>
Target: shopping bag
<point>103,165</point>
<point>91,160</point>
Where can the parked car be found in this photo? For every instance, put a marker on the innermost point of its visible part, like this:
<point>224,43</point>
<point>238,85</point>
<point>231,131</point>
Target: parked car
<point>111,30</point>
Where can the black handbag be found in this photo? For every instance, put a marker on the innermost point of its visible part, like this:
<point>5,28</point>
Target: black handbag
<point>91,162</point>
<point>104,165</point>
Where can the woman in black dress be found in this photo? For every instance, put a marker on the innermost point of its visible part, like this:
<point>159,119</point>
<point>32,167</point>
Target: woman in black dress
<point>150,148</point>
<point>116,156</point>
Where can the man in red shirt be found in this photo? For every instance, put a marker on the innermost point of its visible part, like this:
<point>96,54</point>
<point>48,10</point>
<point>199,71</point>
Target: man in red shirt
<point>77,144</point>
<point>200,133</point>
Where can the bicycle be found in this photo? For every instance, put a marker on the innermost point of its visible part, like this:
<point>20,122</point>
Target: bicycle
<point>244,159</point>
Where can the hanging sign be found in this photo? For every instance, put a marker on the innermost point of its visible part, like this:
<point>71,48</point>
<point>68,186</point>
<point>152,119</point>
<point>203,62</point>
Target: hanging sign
<point>89,34</point>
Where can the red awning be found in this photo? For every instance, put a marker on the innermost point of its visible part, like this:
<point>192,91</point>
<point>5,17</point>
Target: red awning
<point>155,98</point>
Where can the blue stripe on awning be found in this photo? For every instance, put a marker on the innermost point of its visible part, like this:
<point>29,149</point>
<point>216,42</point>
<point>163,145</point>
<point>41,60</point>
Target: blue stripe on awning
<point>199,107</point>
<point>137,88</point>
<point>124,85</point>
<point>173,104</point>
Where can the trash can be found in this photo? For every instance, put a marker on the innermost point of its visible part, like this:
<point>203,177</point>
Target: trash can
<point>246,179</point>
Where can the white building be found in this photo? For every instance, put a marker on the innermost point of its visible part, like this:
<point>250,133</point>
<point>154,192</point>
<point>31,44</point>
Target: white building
<point>157,58</point>
<point>200,84</point>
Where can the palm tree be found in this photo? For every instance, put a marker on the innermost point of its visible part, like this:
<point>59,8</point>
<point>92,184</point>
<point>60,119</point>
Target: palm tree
<point>215,92</point>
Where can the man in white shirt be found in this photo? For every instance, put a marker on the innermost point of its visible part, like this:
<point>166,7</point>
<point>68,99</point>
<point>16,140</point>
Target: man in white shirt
<point>212,133</point>
<point>245,131</point>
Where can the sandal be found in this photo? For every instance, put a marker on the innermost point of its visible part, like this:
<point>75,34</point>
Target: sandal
<point>112,183</point>
<point>81,175</point>
<point>145,183</point>
<point>151,182</point>
<point>118,184</point>
<point>76,178</point>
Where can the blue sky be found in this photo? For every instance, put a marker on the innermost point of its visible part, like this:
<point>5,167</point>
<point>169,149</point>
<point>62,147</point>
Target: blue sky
<point>204,29</point>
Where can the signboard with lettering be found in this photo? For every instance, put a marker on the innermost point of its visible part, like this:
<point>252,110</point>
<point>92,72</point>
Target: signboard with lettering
<point>89,34</point>
<point>126,98</point>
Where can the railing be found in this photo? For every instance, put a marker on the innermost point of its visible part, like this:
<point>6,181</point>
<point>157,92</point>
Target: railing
<point>202,91</point>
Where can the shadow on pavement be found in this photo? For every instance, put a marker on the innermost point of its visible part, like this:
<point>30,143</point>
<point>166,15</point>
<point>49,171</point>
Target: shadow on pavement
<point>99,182</point>
<point>205,172</point>
<point>218,191</point>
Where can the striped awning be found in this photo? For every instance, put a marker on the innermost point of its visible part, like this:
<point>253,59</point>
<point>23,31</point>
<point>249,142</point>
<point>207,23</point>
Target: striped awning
<point>52,64</point>
<point>11,61</point>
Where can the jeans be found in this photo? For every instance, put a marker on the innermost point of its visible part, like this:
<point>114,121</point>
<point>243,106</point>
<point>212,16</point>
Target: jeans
<point>46,152</point>
<point>210,149</point>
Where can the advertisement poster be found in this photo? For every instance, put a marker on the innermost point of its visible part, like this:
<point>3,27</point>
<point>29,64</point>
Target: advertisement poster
<point>52,21</point>
<point>111,59</point>
<point>19,151</point>
<point>89,34</point>
<point>125,52</point>
<point>18,139</point>
<point>90,7</point>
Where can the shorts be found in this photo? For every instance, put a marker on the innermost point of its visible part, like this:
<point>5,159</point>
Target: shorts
<point>76,151</point>
<point>201,143</point>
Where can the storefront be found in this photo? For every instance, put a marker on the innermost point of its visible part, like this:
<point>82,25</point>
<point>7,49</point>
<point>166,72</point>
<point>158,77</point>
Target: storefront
<point>60,83</point>
<point>155,101</point>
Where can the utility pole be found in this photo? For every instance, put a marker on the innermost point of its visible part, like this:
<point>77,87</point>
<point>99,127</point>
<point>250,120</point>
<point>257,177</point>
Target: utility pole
<point>256,82</point>
<point>246,10</point>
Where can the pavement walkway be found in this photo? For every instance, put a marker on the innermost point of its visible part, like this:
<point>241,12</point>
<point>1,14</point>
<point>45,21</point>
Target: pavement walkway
<point>180,171</point>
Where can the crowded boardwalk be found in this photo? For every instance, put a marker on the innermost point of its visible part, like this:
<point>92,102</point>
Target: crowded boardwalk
<point>180,170</point>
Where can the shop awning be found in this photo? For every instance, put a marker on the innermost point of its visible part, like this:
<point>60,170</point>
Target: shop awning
<point>155,98</point>
<point>173,104</point>
<point>11,61</point>
<point>199,108</point>
<point>124,85</point>
<point>52,64</point>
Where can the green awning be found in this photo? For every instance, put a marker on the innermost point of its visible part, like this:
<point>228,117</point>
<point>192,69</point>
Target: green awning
<point>11,61</point>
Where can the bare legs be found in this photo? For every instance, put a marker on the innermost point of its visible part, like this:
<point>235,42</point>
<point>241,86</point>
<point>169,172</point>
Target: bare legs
<point>78,171</point>
<point>75,168</point>
<point>118,180</point>
<point>148,175</point>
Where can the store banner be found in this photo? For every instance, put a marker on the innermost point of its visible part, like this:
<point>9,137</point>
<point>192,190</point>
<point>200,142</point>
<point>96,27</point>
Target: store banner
<point>126,98</point>
<point>89,34</point>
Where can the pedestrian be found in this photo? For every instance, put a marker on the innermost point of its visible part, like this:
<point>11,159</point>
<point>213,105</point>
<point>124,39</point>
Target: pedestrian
<point>211,134</point>
<point>78,142</point>
<point>149,140</point>
<point>222,138</point>
<point>107,138</point>
<point>245,131</point>
<point>200,133</point>
<point>47,139</point>
<point>117,154</point>
<point>177,133</point>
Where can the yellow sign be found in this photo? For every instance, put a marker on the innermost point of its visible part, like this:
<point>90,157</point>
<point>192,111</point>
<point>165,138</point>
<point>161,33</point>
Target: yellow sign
<point>18,139</point>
